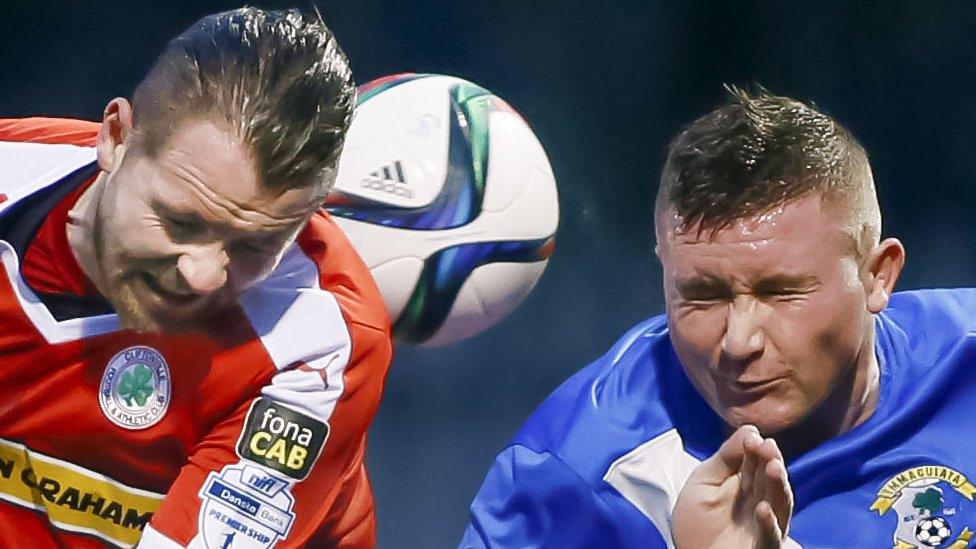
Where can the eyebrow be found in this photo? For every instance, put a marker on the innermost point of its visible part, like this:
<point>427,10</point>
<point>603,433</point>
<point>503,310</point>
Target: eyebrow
<point>179,213</point>
<point>785,282</point>
<point>709,284</point>
<point>193,216</point>
<point>215,201</point>
<point>698,283</point>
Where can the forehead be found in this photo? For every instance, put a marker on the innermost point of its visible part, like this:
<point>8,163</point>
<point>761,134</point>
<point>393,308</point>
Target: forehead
<point>796,236</point>
<point>205,166</point>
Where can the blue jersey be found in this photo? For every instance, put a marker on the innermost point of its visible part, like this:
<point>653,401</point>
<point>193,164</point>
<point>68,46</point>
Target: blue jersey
<point>601,462</point>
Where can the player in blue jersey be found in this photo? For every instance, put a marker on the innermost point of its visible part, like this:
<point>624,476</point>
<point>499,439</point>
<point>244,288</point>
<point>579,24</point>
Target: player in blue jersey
<point>785,398</point>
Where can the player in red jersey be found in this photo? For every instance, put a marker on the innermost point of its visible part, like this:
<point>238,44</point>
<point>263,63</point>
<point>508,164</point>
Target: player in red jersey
<point>190,350</point>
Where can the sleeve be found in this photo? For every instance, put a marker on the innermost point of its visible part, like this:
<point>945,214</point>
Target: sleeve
<point>286,469</point>
<point>533,499</point>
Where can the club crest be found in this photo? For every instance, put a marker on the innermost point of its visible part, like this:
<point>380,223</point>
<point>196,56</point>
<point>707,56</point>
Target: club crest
<point>928,502</point>
<point>135,389</point>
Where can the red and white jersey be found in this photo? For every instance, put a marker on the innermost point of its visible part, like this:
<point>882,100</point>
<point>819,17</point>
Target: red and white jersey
<point>109,437</point>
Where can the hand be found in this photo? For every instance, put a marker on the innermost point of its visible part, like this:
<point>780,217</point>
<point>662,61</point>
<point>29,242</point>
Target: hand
<point>739,497</point>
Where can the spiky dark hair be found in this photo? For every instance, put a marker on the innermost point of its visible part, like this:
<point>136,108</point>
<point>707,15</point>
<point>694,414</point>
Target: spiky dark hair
<point>757,151</point>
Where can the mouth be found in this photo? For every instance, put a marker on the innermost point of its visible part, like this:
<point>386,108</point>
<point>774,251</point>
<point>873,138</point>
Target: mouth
<point>166,297</point>
<point>755,387</point>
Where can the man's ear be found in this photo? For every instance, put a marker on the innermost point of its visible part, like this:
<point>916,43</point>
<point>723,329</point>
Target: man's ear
<point>114,135</point>
<point>884,265</point>
<point>657,236</point>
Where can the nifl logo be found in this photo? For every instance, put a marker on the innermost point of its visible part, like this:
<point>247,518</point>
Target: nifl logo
<point>262,482</point>
<point>135,389</point>
<point>388,179</point>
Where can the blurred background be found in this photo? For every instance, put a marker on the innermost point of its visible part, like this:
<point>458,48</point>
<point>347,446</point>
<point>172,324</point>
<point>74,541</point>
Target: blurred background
<point>604,85</point>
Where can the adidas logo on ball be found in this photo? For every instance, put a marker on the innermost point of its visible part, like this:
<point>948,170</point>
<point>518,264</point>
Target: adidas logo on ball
<point>388,179</point>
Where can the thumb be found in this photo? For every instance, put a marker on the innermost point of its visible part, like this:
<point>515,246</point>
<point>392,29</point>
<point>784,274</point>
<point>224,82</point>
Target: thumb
<point>727,461</point>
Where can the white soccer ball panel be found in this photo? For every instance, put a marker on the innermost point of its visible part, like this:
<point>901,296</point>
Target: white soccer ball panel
<point>533,215</point>
<point>513,152</point>
<point>414,117</point>
<point>396,279</point>
<point>377,244</point>
<point>489,294</point>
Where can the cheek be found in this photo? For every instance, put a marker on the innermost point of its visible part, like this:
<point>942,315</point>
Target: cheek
<point>245,271</point>
<point>139,239</point>
<point>696,336</point>
<point>129,228</point>
<point>699,330</point>
<point>823,339</point>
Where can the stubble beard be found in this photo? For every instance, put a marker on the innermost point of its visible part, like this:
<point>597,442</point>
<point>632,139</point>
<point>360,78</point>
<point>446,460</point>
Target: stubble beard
<point>117,290</point>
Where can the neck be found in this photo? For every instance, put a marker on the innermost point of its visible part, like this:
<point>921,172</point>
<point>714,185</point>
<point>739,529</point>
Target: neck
<point>81,230</point>
<point>851,403</point>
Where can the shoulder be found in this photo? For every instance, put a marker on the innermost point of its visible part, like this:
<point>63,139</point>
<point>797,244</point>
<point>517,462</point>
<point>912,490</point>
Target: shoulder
<point>609,407</point>
<point>533,499</point>
<point>320,279</point>
<point>343,273</point>
<point>927,334</point>
<point>953,308</point>
<point>607,441</point>
<point>37,152</point>
<point>930,320</point>
<point>322,321</point>
<point>320,294</point>
<point>49,131</point>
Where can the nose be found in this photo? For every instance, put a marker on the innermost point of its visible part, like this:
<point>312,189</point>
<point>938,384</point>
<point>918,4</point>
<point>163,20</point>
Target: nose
<point>204,268</point>
<point>743,331</point>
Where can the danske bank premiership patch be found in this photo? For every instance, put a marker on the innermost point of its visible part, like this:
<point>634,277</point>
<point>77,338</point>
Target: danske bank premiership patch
<point>281,438</point>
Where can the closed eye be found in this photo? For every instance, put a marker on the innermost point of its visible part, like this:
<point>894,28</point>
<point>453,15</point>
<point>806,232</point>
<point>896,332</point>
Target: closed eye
<point>183,229</point>
<point>705,298</point>
<point>786,295</point>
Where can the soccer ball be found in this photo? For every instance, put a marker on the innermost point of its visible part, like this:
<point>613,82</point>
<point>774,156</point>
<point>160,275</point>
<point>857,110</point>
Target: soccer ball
<point>449,198</point>
<point>932,532</point>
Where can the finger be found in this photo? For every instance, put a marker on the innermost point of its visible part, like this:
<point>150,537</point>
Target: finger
<point>747,472</point>
<point>766,451</point>
<point>778,492</point>
<point>772,482</point>
<point>759,479</point>
<point>769,534</point>
<point>727,461</point>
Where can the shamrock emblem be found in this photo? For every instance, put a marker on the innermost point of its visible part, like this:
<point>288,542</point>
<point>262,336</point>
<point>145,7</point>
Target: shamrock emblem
<point>136,385</point>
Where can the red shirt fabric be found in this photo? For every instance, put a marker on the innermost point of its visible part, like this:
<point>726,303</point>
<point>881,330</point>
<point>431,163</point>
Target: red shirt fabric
<point>49,264</point>
<point>223,452</point>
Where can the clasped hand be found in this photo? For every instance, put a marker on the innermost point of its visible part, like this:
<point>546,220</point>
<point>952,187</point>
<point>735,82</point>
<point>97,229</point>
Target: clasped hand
<point>738,498</point>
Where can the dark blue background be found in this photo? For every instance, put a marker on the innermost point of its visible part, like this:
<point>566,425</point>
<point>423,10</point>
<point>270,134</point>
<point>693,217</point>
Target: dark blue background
<point>604,84</point>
